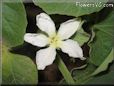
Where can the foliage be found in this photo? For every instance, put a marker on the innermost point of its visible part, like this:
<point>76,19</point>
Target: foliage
<point>18,69</point>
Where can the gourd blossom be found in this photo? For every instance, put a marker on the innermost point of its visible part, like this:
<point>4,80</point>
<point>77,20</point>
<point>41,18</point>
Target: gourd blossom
<point>53,40</point>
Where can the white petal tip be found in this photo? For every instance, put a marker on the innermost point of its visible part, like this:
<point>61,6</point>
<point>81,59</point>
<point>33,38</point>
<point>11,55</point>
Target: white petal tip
<point>68,28</point>
<point>42,15</point>
<point>83,58</point>
<point>40,67</point>
<point>26,37</point>
<point>45,57</point>
<point>45,23</point>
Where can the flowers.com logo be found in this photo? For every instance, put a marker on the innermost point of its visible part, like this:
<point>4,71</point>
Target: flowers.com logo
<point>95,4</point>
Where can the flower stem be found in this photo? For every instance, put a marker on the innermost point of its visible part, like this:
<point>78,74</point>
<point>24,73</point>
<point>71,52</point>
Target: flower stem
<point>63,69</point>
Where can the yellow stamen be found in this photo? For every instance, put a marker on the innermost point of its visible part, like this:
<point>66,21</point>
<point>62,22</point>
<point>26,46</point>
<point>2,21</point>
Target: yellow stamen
<point>55,41</point>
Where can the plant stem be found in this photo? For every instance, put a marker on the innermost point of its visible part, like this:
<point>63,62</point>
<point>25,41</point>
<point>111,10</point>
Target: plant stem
<point>63,69</point>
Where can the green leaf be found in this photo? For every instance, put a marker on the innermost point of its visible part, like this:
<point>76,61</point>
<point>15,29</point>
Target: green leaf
<point>65,72</point>
<point>0,41</point>
<point>102,42</point>
<point>0,18</point>
<point>0,64</point>
<point>17,69</point>
<point>107,79</point>
<point>14,23</point>
<point>81,37</point>
<point>69,7</point>
<point>104,64</point>
<point>83,75</point>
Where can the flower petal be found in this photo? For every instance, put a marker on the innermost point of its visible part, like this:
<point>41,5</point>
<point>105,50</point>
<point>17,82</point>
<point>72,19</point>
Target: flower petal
<point>72,48</point>
<point>45,57</point>
<point>68,28</point>
<point>39,40</point>
<point>45,23</point>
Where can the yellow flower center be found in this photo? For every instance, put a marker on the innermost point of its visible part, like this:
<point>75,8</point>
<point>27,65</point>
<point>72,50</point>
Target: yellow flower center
<point>55,41</point>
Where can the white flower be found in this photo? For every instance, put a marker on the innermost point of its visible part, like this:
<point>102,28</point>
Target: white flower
<point>53,40</point>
